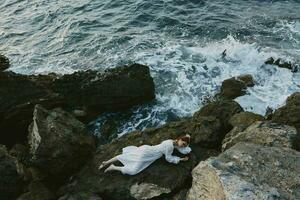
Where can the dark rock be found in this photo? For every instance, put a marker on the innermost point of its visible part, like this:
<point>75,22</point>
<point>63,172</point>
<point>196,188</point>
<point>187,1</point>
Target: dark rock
<point>81,196</point>
<point>282,64</point>
<point>86,94</point>
<point>235,87</point>
<point>263,133</point>
<point>222,110</point>
<point>269,113</point>
<point>248,171</point>
<point>4,63</point>
<point>59,144</point>
<point>11,176</point>
<point>37,191</point>
<point>290,114</point>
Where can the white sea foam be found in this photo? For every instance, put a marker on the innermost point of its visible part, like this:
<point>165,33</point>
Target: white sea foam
<point>181,88</point>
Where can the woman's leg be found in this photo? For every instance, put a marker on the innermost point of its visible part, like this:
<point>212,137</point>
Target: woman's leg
<point>105,163</point>
<point>112,167</point>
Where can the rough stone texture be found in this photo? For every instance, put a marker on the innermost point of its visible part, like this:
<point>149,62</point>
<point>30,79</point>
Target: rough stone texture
<point>4,63</point>
<point>85,93</point>
<point>244,119</point>
<point>37,191</point>
<point>11,176</point>
<point>147,191</point>
<point>290,114</point>
<point>248,171</point>
<point>59,144</point>
<point>264,133</point>
<point>235,87</point>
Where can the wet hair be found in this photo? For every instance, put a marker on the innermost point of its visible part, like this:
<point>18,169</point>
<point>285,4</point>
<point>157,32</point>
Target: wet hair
<point>185,138</point>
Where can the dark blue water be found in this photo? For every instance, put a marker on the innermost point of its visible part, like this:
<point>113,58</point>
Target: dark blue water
<point>180,40</point>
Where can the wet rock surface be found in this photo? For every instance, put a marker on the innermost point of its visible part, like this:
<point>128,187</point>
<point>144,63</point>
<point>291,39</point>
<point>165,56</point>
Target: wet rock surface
<point>236,86</point>
<point>283,64</point>
<point>4,63</point>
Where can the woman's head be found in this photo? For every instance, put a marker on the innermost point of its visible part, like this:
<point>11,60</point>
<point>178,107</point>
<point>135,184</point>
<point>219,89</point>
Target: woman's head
<point>183,141</point>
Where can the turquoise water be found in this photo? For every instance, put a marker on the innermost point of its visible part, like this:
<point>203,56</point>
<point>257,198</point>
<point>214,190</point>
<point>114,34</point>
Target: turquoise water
<point>180,40</point>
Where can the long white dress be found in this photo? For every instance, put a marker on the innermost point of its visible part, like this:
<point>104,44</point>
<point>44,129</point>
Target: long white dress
<point>135,159</point>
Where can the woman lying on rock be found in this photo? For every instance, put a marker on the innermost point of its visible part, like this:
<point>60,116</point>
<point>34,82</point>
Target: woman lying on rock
<point>135,159</point>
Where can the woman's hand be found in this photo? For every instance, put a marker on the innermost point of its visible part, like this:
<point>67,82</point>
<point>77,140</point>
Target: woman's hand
<point>184,159</point>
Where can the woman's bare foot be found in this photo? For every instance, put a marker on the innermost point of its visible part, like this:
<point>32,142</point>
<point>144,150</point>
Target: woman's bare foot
<point>110,168</point>
<point>103,164</point>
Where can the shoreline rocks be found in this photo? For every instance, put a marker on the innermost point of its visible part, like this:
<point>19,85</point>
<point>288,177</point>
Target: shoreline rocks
<point>86,92</point>
<point>161,179</point>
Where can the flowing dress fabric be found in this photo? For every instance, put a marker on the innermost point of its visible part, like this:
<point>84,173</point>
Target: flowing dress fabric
<point>135,159</point>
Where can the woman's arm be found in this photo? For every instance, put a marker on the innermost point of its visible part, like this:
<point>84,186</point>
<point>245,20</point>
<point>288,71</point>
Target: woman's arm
<point>169,157</point>
<point>184,150</point>
<point>172,159</point>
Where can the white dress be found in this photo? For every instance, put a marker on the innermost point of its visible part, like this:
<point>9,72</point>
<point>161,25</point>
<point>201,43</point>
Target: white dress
<point>135,159</point>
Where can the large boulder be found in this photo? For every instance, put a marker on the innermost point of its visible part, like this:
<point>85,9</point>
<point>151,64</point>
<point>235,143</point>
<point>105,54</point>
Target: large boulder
<point>11,178</point>
<point>290,114</point>
<point>235,87</point>
<point>222,110</point>
<point>84,93</point>
<point>4,63</point>
<point>264,133</point>
<point>248,171</point>
<point>59,144</point>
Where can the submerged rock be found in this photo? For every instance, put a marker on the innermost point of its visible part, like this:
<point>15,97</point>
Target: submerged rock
<point>290,114</point>
<point>264,133</point>
<point>235,87</point>
<point>4,63</point>
<point>11,176</point>
<point>248,171</point>
<point>282,64</point>
<point>59,144</point>
<point>85,93</point>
